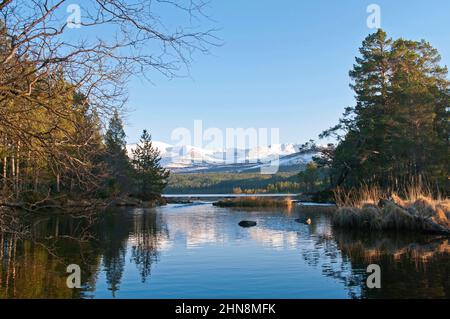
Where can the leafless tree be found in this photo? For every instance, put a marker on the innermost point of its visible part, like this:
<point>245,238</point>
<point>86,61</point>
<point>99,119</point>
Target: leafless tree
<point>112,40</point>
<point>50,49</point>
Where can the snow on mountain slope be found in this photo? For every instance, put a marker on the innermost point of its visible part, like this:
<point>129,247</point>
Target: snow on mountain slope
<point>272,150</point>
<point>190,158</point>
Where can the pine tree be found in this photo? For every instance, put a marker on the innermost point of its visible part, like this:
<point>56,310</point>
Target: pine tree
<point>396,132</point>
<point>151,177</point>
<point>117,159</point>
<point>115,135</point>
<point>310,176</point>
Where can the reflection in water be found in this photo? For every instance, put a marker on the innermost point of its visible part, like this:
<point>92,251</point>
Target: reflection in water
<point>35,265</point>
<point>194,251</point>
<point>275,239</point>
<point>412,266</point>
<point>148,237</point>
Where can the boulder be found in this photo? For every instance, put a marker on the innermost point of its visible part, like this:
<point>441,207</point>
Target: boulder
<point>307,221</point>
<point>247,223</point>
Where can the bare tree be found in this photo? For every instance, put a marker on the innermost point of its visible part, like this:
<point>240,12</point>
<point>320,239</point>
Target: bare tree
<point>112,40</point>
<point>51,49</point>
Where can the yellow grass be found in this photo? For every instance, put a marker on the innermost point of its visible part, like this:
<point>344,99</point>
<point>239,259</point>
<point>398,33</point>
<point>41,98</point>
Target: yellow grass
<point>416,210</point>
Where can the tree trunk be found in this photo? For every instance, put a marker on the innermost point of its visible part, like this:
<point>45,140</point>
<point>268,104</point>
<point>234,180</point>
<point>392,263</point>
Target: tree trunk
<point>13,172</point>
<point>17,181</point>
<point>36,179</point>
<point>5,163</point>
<point>58,180</point>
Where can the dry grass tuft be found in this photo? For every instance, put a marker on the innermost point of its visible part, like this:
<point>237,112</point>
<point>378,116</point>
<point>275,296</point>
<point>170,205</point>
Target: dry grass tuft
<point>396,218</point>
<point>358,197</point>
<point>370,208</point>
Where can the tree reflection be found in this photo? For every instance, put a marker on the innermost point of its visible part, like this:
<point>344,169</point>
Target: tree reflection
<point>35,251</point>
<point>148,232</point>
<point>412,266</point>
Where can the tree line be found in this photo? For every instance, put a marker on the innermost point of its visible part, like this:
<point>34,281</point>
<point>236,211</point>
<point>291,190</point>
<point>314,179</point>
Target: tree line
<point>310,179</point>
<point>59,87</point>
<point>76,159</point>
<point>397,133</point>
<point>142,176</point>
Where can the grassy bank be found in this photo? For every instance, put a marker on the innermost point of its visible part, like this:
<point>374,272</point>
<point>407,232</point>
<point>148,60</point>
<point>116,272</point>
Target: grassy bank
<point>372,209</point>
<point>254,202</point>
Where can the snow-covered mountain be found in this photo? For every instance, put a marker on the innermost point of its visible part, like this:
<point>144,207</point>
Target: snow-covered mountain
<point>189,158</point>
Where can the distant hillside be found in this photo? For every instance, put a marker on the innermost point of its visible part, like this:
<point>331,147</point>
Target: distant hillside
<point>190,159</point>
<point>216,183</point>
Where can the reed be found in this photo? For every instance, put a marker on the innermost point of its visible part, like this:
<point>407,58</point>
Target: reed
<point>373,209</point>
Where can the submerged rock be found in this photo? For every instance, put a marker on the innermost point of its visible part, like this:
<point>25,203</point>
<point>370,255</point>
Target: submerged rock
<point>247,223</point>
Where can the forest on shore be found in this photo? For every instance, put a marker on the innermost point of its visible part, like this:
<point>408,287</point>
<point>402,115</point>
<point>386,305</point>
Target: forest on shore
<point>310,179</point>
<point>63,93</point>
<point>395,138</point>
<point>397,134</point>
<point>61,102</point>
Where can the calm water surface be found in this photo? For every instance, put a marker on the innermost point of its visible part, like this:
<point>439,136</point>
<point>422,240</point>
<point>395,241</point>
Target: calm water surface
<point>199,251</point>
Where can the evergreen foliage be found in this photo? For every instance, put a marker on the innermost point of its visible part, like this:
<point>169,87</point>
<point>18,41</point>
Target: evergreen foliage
<point>150,176</point>
<point>398,131</point>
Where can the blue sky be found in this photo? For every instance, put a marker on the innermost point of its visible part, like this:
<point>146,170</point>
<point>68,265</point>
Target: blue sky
<point>283,64</point>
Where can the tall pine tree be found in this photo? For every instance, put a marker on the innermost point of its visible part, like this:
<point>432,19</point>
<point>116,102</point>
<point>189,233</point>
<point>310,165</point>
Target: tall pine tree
<point>117,160</point>
<point>397,132</point>
<point>151,177</point>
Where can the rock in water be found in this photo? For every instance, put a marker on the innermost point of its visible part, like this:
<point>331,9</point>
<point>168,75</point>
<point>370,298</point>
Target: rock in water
<point>247,223</point>
<point>307,221</point>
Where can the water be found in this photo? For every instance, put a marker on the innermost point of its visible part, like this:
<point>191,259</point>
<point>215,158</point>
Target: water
<point>199,251</point>
<point>280,195</point>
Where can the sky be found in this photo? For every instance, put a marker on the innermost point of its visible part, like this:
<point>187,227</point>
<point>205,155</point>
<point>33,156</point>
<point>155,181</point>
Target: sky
<point>283,64</point>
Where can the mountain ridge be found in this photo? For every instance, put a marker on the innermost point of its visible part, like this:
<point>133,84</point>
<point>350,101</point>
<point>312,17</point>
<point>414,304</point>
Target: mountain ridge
<point>188,158</point>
